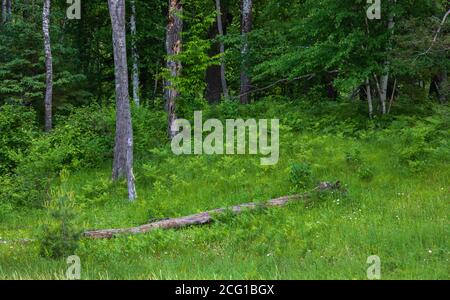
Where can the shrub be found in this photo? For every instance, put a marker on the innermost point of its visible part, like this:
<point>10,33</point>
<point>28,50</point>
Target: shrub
<point>59,238</point>
<point>149,130</point>
<point>81,140</point>
<point>17,130</point>
<point>365,173</point>
<point>353,157</point>
<point>300,174</point>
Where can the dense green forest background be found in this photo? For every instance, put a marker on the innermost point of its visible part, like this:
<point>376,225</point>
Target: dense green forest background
<point>361,101</point>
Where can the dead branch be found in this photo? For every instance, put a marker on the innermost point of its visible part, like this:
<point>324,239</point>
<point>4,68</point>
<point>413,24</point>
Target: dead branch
<point>206,217</point>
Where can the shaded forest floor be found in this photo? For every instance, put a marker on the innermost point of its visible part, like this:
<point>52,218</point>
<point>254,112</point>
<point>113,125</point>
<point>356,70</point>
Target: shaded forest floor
<point>396,206</point>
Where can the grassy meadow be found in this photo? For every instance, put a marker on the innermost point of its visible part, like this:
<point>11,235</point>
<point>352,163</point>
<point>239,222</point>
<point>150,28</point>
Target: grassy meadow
<point>395,205</point>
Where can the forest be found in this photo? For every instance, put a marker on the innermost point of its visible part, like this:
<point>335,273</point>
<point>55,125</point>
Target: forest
<point>224,139</point>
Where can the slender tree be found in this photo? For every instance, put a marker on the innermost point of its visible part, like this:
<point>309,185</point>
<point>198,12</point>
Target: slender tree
<point>134,54</point>
<point>123,150</point>
<point>173,47</point>
<point>369,97</point>
<point>48,65</point>
<point>222,50</point>
<point>246,26</point>
<point>383,91</point>
<point>6,10</point>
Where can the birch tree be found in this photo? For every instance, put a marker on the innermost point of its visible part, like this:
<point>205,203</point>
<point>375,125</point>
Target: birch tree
<point>385,77</point>
<point>48,65</point>
<point>246,26</point>
<point>123,150</point>
<point>222,50</point>
<point>134,54</point>
<point>6,10</point>
<point>173,47</point>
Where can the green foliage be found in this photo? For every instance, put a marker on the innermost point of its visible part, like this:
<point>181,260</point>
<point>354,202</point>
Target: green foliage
<point>83,139</point>
<point>355,160</point>
<point>300,174</point>
<point>149,129</point>
<point>17,130</point>
<point>22,68</point>
<point>400,215</point>
<point>59,238</point>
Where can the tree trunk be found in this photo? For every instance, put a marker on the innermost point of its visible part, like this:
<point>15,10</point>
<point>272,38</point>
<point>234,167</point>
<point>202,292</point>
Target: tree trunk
<point>369,98</point>
<point>48,65</point>
<point>246,26</point>
<point>6,10</point>
<point>123,150</point>
<point>208,217</point>
<point>439,86</point>
<point>134,54</point>
<point>332,92</point>
<point>222,50</point>
<point>383,92</point>
<point>173,47</point>
<point>213,73</point>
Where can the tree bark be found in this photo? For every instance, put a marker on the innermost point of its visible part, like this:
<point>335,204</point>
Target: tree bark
<point>134,54</point>
<point>440,86</point>
<point>48,65</point>
<point>369,98</point>
<point>222,50</point>
<point>213,73</point>
<point>246,26</point>
<point>207,217</point>
<point>383,92</point>
<point>6,10</point>
<point>123,150</point>
<point>173,47</point>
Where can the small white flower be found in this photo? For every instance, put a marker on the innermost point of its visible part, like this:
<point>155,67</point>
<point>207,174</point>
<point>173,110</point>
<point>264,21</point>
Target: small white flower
<point>429,251</point>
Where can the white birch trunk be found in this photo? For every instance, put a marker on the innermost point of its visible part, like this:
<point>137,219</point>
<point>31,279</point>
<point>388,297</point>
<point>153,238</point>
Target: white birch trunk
<point>123,150</point>
<point>385,77</point>
<point>134,54</point>
<point>48,65</point>
<point>246,25</point>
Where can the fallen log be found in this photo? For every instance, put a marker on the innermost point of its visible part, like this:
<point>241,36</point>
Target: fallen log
<point>206,217</point>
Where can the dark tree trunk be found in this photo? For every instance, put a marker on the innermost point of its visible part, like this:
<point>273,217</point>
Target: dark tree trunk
<point>213,73</point>
<point>216,82</point>
<point>332,93</point>
<point>246,26</point>
<point>220,28</point>
<point>369,97</point>
<point>173,47</point>
<point>439,86</point>
<point>48,65</point>
<point>123,150</point>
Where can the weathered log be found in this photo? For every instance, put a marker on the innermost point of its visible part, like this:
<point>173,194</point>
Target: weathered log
<point>206,217</point>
